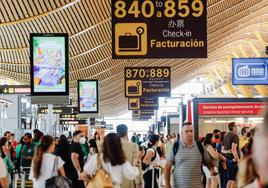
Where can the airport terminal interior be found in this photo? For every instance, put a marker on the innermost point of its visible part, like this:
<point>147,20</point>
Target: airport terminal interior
<point>159,93</point>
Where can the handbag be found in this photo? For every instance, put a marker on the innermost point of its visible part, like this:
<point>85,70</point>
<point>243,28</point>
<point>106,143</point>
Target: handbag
<point>100,178</point>
<point>57,181</point>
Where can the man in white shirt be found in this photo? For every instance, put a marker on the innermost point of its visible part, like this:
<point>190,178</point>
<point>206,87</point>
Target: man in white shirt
<point>3,174</point>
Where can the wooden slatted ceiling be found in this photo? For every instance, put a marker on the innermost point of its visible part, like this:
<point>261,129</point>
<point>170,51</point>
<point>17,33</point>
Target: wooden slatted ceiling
<point>89,27</point>
<point>13,10</point>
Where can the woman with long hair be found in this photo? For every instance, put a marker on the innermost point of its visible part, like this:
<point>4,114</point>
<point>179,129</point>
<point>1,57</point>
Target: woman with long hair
<point>45,164</point>
<point>4,144</point>
<point>211,171</point>
<point>113,161</point>
<point>62,149</point>
<point>97,140</point>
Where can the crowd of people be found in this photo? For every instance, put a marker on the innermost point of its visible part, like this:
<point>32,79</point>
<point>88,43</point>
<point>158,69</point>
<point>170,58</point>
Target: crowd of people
<point>220,159</point>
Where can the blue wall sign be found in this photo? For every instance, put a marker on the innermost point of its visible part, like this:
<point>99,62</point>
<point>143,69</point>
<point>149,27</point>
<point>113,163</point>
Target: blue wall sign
<point>250,71</point>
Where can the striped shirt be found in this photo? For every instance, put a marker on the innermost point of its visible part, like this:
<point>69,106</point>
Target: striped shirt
<point>187,166</point>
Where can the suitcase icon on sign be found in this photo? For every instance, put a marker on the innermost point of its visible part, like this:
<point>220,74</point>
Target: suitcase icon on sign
<point>130,42</point>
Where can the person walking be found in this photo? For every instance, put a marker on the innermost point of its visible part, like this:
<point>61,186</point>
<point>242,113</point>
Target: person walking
<point>231,148</point>
<point>113,161</point>
<point>131,152</point>
<point>44,160</point>
<point>186,157</point>
<point>152,161</point>
<point>76,161</point>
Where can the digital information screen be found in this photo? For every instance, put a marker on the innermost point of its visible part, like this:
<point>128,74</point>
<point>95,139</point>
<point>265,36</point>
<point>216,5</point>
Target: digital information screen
<point>88,100</point>
<point>49,64</point>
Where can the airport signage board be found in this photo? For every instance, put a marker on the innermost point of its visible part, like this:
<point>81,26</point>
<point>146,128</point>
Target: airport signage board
<point>75,122</point>
<point>141,118</point>
<point>232,108</point>
<point>147,82</point>
<point>148,113</point>
<point>15,89</point>
<point>250,71</point>
<point>68,117</point>
<point>49,64</point>
<point>159,29</point>
<point>58,110</point>
<point>88,99</point>
<point>143,104</point>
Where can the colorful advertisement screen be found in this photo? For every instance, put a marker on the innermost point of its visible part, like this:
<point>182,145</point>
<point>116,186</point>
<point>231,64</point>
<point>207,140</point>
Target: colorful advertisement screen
<point>88,96</point>
<point>49,64</point>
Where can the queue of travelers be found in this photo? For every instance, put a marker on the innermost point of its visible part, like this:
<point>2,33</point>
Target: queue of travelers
<point>219,160</point>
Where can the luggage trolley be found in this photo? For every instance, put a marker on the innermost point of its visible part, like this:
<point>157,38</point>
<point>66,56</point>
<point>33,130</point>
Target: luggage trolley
<point>21,178</point>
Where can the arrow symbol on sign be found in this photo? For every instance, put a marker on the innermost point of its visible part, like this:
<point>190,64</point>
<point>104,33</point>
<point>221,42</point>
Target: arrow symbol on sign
<point>5,90</point>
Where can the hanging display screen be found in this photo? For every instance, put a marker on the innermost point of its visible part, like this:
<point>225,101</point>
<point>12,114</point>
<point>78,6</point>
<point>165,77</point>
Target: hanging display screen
<point>88,101</point>
<point>49,64</point>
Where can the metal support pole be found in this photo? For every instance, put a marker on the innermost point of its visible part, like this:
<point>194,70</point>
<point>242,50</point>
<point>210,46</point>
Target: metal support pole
<point>50,119</point>
<point>156,122</point>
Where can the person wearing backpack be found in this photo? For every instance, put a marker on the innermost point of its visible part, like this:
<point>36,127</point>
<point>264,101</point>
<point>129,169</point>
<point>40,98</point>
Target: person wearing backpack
<point>187,158</point>
<point>151,163</point>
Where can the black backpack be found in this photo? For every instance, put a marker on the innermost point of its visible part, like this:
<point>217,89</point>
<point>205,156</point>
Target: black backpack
<point>200,148</point>
<point>143,165</point>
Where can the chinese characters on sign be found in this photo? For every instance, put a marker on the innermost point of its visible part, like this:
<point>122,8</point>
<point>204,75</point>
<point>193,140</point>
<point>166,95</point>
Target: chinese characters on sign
<point>159,29</point>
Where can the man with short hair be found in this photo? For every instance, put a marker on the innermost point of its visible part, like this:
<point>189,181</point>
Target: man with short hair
<point>131,152</point>
<point>7,134</point>
<point>27,151</point>
<point>187,161</point>
<point>75,161</point>
<point>231,148</point>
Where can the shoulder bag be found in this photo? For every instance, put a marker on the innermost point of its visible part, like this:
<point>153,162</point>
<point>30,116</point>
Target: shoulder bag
<point>58,181</point>
<point>100,178</point>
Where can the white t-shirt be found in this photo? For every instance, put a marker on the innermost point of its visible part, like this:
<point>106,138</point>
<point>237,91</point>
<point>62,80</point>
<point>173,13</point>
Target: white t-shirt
<point>3,167</point>
<point>46,170</point>
<point>116,172</point>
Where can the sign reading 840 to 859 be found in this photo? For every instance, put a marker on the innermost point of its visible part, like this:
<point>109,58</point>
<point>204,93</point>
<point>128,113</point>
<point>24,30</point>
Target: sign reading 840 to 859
<point>147,82</point>
<point>159,28</point>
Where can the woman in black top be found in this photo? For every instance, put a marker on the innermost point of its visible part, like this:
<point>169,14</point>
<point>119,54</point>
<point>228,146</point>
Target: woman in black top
<point>62,149</point>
